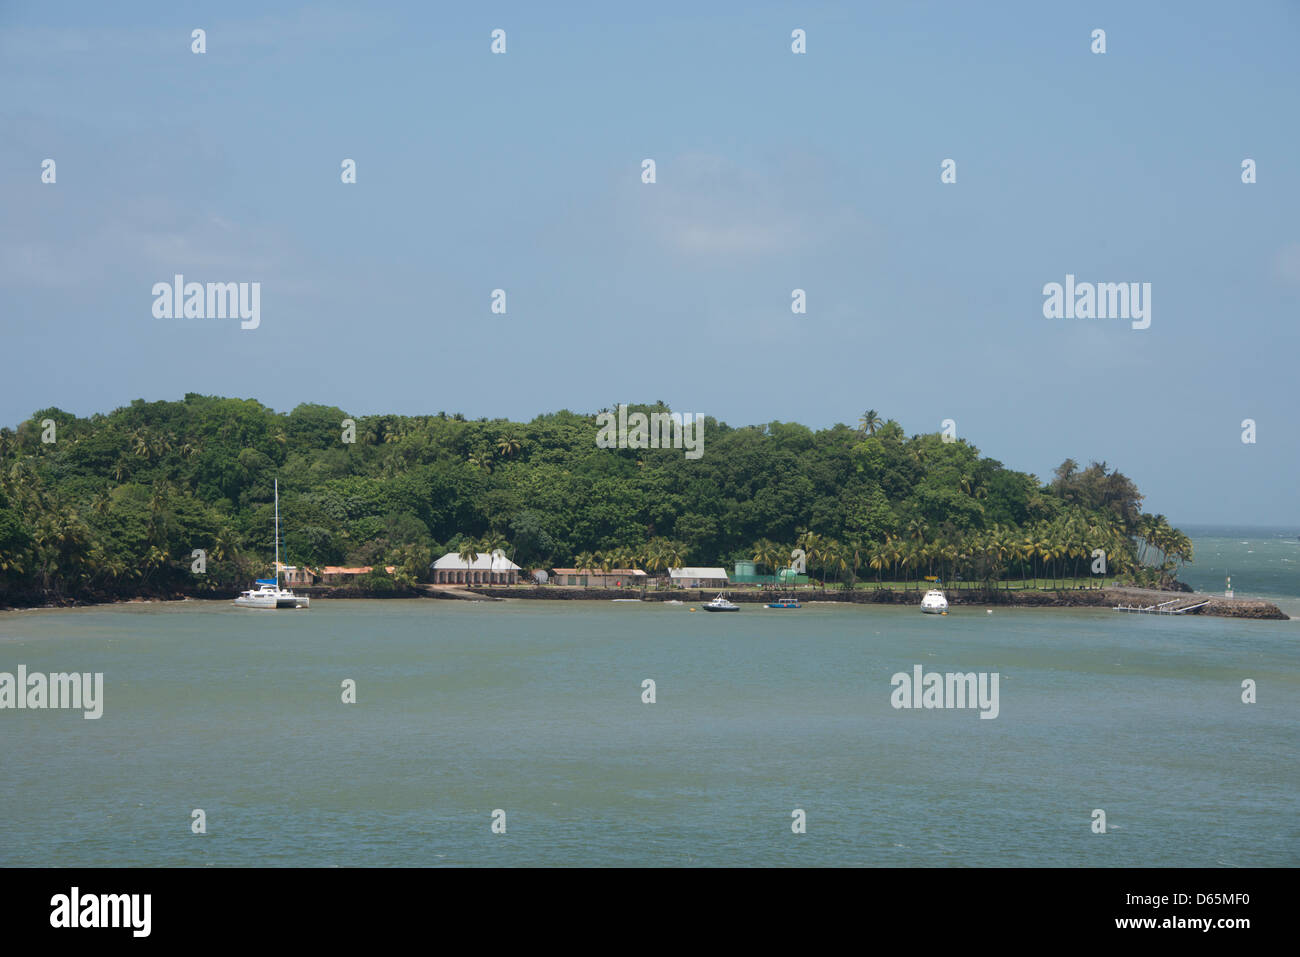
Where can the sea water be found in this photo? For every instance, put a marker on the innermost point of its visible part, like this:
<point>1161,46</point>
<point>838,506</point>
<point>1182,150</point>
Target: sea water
<point>533,715</point>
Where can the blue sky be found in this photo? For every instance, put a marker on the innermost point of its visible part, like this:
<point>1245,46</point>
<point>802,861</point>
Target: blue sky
<point>775,172</point>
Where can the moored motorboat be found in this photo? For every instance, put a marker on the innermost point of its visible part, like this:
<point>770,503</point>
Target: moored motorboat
<point>721,604</point>
<point>935,602</point>
<point>784,603</point>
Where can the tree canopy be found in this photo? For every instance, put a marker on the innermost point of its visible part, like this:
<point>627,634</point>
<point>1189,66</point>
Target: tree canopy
<point>116,504</point>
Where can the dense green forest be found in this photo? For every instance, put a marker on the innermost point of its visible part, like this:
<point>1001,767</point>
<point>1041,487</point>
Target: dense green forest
<point>114,505</point>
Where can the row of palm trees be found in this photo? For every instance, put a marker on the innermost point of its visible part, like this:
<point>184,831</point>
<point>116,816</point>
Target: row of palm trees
<point>1159,538</point>
<point>1047,552</point>
<point>659,554</point>
<point>1052,553</point>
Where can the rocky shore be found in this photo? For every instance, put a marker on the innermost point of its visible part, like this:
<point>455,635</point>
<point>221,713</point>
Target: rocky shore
<point>1065,598</point>
<point>1216,605</point>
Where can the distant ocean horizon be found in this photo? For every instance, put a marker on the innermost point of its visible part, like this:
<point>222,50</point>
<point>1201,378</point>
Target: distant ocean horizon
<point>1264,562</point>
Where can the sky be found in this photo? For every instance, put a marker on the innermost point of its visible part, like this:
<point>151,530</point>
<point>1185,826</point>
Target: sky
<point>774,171</point>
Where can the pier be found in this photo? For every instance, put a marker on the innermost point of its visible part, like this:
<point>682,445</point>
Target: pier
<point>1175,606</point>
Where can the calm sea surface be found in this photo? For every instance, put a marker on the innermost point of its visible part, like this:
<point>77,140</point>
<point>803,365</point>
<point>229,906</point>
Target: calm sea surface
<point>535,708</point>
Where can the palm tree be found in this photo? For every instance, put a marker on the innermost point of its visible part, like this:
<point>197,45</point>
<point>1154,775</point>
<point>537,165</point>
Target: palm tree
<point>469,555</point>
<point>835,557</point>
<point>811,543</point>
<point>999,549</point>
<point>856,552</point>
<point>771,555</point>
<point>948,554</point>
<point>654,556</point>
<point>161,445</point>
<point>917,530</point>
<point>509,444</point>
<point>870,421</point>
<point>225,545</point>
<point>490,544</point>
<point>480,461</point>
<point>140,443</point>
<point>892,550</point>
<point>1050,549</point>
<point>912,558</point>
<point>877,559</point>
<point>674,554</point>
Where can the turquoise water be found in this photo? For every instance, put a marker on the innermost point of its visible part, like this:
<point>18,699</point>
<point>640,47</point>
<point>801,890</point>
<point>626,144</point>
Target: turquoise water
<point>1263,562</point>
<point>535,708</point>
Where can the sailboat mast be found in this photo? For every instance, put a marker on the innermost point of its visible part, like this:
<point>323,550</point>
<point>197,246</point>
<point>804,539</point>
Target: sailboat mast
<point>277,533</point>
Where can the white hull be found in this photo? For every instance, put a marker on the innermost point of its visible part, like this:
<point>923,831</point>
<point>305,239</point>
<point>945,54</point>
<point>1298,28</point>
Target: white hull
<point>269,594</point>
<point>934,603</point>
<point>269,598</point>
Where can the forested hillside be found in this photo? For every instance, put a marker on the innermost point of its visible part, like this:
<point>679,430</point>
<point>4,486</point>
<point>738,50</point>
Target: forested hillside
<point>115,505</point>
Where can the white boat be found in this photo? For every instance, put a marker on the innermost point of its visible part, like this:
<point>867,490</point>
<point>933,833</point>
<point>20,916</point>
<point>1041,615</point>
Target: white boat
<point>268,593</point>
<point>935,602</point>
<point>721,604</point>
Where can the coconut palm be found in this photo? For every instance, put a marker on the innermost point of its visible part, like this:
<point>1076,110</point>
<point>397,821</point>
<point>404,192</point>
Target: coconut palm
<point>140,443</point>
<point>225,545</point>
<point>812,545</point>
<point>857,553</point>
<point>771,555</point>
<point>917,530</point>
<point>877,559</point>
<point>469,555</point>
<point>835,557</point>
<point>948,554</point>
<point>654,556</point>
<point>509,444</point>
<point>674,554</point>
<point>870,421</point>
<point>491,543</point>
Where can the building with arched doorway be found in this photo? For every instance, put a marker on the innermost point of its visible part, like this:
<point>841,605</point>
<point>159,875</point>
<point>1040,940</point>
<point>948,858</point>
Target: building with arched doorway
<point>493,569</point>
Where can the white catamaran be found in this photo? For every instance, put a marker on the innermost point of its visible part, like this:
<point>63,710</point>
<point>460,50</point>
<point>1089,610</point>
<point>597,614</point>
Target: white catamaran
<point>268,593</point>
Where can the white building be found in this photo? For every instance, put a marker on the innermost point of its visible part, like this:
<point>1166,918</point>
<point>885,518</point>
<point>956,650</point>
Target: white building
<point>698,577</point>
<point>494,569</point>
<point>596,578</point>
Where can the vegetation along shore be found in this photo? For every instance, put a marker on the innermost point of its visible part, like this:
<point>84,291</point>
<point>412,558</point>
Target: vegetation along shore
<point>172,499</point>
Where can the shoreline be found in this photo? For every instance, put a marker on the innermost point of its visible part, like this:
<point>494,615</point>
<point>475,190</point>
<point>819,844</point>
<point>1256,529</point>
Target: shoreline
<point>1259,609</point>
